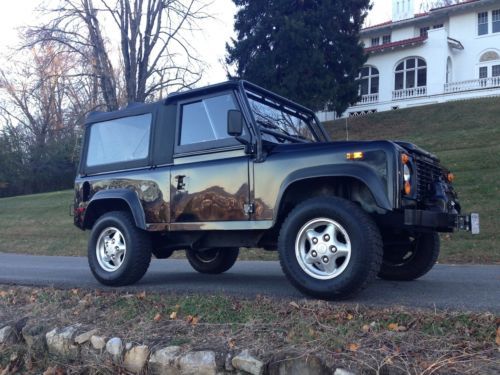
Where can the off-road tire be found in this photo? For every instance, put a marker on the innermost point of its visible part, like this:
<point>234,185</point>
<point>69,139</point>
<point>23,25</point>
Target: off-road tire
<point>218,261</point>
<point>366,247</point>
<point>138,254</point>
<point>425,254</point>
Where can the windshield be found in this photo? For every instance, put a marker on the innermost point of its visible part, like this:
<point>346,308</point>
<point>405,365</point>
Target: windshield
<point>279,123</point>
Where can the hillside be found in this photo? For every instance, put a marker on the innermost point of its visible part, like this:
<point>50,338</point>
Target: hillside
<point>466,137</point>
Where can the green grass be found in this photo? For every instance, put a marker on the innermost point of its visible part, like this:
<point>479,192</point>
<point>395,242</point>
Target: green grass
<point>40,224</point>
<point>466,137</point>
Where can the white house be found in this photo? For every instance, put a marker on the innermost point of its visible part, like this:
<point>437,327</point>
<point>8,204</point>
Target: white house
<point>448,53</point>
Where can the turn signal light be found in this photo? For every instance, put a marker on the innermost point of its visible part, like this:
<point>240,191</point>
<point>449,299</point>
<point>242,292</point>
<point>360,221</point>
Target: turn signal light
<point>407,188</point>
<point>405,158</point>
<point>451,177</point>
<point>354,155</point>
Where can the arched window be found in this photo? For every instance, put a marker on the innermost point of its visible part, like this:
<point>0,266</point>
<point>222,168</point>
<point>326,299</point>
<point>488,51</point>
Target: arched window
<point>368,80</point>
<point>410,73</point>
<point>489,65</point>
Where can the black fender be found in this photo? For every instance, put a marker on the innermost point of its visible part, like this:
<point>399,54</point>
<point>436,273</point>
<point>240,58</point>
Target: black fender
<point>125,195</point>
<point>360,172</point>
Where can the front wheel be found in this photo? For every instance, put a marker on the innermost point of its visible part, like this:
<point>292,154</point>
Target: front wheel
<point>412,260</point>
<point>329,248</point>
<point>212,261</point>
<point>119,253</point>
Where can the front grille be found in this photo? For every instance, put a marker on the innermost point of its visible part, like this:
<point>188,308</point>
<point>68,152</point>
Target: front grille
<point>428,172</point>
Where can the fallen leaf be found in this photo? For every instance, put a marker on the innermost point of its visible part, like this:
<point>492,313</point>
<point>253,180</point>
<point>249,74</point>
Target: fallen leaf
<point>295,304</point>
<point>393,326</point>
<point>173,315</point>
<point>353,347</point>
<point>195,320</point>
<point>157,317</point>
<point>3,294</point>
<point>142,295</point>
<point>189,318</point>
<point>350,317</point>
<point>75,292</point>
<point>366,328</point>
<point>231,343</point>
<point>497,340</point>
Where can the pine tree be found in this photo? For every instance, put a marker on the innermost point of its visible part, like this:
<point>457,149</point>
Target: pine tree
<point>306,50</point>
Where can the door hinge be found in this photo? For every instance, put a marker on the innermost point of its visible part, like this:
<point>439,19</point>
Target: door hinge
<point>249,208</point>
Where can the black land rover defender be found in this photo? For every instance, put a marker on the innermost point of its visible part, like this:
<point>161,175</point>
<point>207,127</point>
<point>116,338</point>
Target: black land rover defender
<point>233,165</point>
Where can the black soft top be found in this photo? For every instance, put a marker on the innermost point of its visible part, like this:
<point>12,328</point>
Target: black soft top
<point>139,108</point>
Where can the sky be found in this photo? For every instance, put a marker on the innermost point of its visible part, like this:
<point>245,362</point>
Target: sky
<point>210,43</point>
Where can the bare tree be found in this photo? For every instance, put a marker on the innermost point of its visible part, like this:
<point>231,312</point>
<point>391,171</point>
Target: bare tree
<point>155,53</point>
<point>41,107</point>
<point>426,5</point>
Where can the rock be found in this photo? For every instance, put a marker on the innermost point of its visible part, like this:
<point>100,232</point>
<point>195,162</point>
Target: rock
<point>98,342</point>
<point>128,346</point>
<point>295,365</point>
<point>8,335</point>
<point>245,362</point>
<point>136,358</point>
<point>163,361</point>
<point>198,363</point>
<point>115,348</point>
<point>62,341</point>
<point>228,366</point>
<point>34,335</point>
<point>341,371</point>
<point>84,337</point>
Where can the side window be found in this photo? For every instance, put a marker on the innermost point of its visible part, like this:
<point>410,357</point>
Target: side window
<point>205,120</point>
<point>120,140</point>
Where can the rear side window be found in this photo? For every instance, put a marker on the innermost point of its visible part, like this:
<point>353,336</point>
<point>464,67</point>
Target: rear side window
<point>206,120</point>
<point>120,140</point>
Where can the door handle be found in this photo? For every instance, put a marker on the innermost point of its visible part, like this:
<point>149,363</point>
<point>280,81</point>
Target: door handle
<point>180,182</point>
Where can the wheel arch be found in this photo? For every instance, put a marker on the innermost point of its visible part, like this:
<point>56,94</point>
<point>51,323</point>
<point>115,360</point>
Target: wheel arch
<point>114,200</point>
<point>333,180</point>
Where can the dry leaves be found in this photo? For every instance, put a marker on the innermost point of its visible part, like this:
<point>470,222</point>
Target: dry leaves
<point>396,327</point>
<point>157,317</point>
<point>193,320</point>
<point>141,295</point>
<point>173,315</point>
<point>353,347</point>
<point>294,304</point>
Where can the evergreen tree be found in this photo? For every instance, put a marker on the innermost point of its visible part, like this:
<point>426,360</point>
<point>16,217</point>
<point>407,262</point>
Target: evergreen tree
<point>306,50</point>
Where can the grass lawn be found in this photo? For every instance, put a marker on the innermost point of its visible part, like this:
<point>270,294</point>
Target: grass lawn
<point>362,339</point>
<point>465,135</point>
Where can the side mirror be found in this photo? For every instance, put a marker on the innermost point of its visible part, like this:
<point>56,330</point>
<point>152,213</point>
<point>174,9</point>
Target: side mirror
<point>234,123</point>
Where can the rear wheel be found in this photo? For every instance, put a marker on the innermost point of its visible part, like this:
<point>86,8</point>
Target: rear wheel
<point>119,253</point>
<point>410,261</point>
<point>212,261</point>
<point>329,248</point>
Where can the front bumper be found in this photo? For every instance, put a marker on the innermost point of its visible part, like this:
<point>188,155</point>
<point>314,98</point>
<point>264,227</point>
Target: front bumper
<point>442,221</point>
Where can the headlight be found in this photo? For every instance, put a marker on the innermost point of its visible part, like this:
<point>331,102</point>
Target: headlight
<point>406,173</point>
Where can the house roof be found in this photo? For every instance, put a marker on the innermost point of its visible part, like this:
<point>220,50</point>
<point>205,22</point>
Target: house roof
<point>422,16</point>
<point>398,44</point>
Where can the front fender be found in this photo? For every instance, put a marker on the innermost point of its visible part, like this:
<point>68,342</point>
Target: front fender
<point>124,195</point>
<point>360,172</point>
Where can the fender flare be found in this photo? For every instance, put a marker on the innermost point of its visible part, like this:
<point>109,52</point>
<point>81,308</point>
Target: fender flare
<point>126,195</point>
<point>362,173</point>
